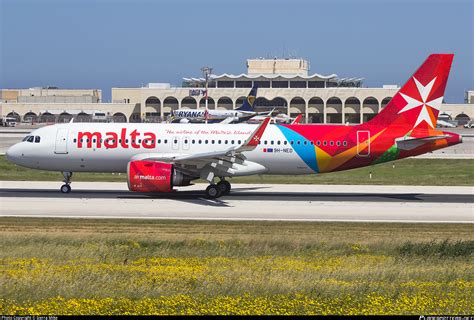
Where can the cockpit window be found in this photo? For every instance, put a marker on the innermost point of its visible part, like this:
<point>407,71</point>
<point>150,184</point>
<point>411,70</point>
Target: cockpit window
<point>37,139</point>
<point>26,138</point>
<point>30,139</point>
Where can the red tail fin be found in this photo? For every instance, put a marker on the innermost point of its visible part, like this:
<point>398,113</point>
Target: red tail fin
<point>417,102</point>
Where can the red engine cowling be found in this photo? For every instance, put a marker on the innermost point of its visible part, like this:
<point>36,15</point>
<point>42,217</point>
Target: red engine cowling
<point>150,176</point>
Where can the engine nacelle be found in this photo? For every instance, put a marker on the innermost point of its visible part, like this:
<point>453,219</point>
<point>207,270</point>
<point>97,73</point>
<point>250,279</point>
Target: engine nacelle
<point>154,176</point>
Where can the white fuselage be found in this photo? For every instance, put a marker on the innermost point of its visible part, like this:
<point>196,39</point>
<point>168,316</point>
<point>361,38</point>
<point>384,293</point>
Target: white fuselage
<point>109,147</point>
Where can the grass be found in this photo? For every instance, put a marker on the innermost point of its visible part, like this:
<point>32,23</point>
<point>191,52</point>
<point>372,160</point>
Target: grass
<point>455,172</point>
<point>87,266</point>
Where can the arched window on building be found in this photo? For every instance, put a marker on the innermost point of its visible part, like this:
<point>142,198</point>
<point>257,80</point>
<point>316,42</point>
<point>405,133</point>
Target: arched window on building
<point>298,106</point>
<point>352,110</point>
<point>84,117</point>
<point>225,103</point>
<point>211,104</point>
<point>316,110</point>
<point>189,103</point>
<point>169,104</point>
<point>14,115</point>
<point>334,110</point>
<point>135,117</point>
<point>30,117</point>
<point>47,118</point>
<point>462,119</point>
<point>152,109</point>
<point>119,117</point>
<point>64,117</point>
<point>370,108</point>
<point>385,101</point>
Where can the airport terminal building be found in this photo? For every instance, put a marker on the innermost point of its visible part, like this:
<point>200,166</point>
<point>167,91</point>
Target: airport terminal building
<point>284,84</point>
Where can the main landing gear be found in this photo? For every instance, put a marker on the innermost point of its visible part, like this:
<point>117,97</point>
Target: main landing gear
<point>66,188</point>
<point>222,188</point>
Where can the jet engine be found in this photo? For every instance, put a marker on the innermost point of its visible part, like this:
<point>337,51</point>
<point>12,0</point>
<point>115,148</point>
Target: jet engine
<point>154,176</point>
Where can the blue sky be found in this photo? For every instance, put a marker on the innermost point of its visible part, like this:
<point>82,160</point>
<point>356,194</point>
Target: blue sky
<point>104,43</point>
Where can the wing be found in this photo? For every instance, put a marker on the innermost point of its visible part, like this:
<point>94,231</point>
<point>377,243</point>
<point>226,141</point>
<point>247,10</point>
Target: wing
<point>229,162</point>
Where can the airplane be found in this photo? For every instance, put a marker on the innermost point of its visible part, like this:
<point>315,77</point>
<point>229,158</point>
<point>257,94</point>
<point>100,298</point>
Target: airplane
<point>444,124</point>
<point>242,113</point>
<point>279,118</point>
<point>158,157</point>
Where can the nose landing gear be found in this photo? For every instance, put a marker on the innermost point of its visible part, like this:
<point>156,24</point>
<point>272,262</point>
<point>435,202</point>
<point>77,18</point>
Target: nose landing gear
<point>66,188</point>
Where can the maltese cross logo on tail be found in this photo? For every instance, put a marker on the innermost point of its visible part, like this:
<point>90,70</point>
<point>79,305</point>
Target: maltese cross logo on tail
<point>426,107</point>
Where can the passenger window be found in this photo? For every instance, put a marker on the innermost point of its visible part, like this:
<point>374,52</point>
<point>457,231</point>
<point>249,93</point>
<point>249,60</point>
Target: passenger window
<point>312,143</point>
<point>285,142</point>
<point>200,141</point>
<point>318,143</point>
<point>298,142</point>
<point>325,143</point>
<point>206,141</point>
<point>75,140</point>
<point>158,141</point>
<point>165,141</point>
<point>240,141</point>
<point>218,141</point>
<point>331,143</point>
<point>212,141</point>
<point>271,142</point>
<point>291,142</point>
<point>344,143</point>
<point>193,141</point>
<point>175,140</point>
<point>186,141</point>
<point>30,139</point>
<point>226,141</point>
<point>305,142</point>
<point>232,142</point>
<point>37,139</point>
<point>265,142</point>
<point>338,143</point>
<point>278,142</point>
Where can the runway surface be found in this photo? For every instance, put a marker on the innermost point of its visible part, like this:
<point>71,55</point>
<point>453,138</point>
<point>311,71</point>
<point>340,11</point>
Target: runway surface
<point>246,202</point>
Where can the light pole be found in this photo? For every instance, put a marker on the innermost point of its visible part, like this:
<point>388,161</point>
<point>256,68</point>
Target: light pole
<point>206,71</point>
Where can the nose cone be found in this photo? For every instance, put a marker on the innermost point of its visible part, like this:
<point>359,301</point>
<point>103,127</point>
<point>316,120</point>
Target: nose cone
<point>14,153</point>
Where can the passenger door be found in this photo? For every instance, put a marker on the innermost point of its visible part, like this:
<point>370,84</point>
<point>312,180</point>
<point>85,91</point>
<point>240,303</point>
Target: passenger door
<point>363,143</point>
<point>61,141</point>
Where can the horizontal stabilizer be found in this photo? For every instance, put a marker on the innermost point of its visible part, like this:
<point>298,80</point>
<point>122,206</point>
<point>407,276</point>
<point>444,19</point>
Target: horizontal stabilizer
<point>412,143</point>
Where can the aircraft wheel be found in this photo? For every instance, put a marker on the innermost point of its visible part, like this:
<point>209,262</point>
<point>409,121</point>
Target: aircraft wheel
<point>65,188</point>
<point>224,186</point>
<point>213,191</point>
